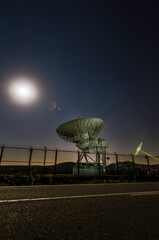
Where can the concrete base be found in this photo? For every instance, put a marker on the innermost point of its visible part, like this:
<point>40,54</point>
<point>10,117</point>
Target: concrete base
<point>87,169</point>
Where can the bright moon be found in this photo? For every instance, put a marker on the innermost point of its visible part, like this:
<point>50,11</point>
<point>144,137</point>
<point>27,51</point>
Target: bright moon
<point>23,91</point>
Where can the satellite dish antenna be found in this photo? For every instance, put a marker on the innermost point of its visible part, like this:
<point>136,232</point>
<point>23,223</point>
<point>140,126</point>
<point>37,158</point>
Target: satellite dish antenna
<point>83,132</point>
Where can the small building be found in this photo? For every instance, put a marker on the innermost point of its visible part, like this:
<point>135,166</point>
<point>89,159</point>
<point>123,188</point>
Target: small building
<point>87,169</point>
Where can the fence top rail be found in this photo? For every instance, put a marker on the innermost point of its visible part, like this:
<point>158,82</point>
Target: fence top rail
<point>128,155</point>
<point>26,148</point>
<point>69,151</point>
<point>38,149</point>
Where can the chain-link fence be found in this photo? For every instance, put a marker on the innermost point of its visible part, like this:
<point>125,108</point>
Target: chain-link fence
<point>61,162</point>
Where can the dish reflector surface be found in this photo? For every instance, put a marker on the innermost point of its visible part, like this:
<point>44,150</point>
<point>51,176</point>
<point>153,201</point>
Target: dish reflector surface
<point>79,128</point>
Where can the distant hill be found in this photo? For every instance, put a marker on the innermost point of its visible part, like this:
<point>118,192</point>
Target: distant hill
<point>61,168</point>
<point>127,165</point>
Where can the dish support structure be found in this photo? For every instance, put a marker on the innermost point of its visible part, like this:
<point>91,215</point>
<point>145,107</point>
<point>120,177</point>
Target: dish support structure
<point>87,166</point>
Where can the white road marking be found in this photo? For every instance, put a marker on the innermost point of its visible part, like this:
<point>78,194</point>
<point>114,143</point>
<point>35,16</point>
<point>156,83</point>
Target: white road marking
<point>130,194</point>
<point>134,194</point>
<point>79,184</point>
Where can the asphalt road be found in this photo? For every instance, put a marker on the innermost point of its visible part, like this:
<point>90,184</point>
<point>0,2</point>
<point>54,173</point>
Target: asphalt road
<point>101,211</point>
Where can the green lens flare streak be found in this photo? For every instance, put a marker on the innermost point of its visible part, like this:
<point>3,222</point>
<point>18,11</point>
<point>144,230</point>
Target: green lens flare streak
<point>139,150</point>
<point>150,155</point>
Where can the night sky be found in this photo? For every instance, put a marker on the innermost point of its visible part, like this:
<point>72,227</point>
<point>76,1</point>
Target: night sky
<point>87,58</point>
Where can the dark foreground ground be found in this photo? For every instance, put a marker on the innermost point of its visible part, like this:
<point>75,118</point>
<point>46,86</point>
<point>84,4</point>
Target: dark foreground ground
<point>113,211</point>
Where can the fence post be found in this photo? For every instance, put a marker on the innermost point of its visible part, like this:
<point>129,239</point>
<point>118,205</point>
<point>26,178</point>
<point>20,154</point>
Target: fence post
<point>148,164</point>
<point>78,162</point>
<point>153,168</point>
<point>133,167</point>
<point>117,165</point>
<point>44,157</point>
<point>98,162</point>
<point>104,157</point>
<point>30,157</point>
<point>1,155</point>
<point>55,162</point>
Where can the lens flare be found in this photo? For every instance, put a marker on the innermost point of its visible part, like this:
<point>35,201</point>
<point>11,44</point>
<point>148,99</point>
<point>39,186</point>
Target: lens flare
<point>138,149</point>
<point>52,105</point>
<point>147,154</point>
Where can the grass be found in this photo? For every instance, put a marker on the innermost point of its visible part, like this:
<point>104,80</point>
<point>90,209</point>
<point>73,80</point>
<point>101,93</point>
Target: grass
<point>20,179</point>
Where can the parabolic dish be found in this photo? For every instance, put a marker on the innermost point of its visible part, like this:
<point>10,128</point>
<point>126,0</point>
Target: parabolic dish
<point>71,131</point>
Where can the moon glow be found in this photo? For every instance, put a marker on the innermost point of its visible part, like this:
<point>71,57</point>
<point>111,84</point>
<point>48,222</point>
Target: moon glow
<point>23,91</point>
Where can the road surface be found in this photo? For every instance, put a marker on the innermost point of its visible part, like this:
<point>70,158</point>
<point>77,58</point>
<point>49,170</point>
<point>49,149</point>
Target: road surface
<point>92,211</point>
